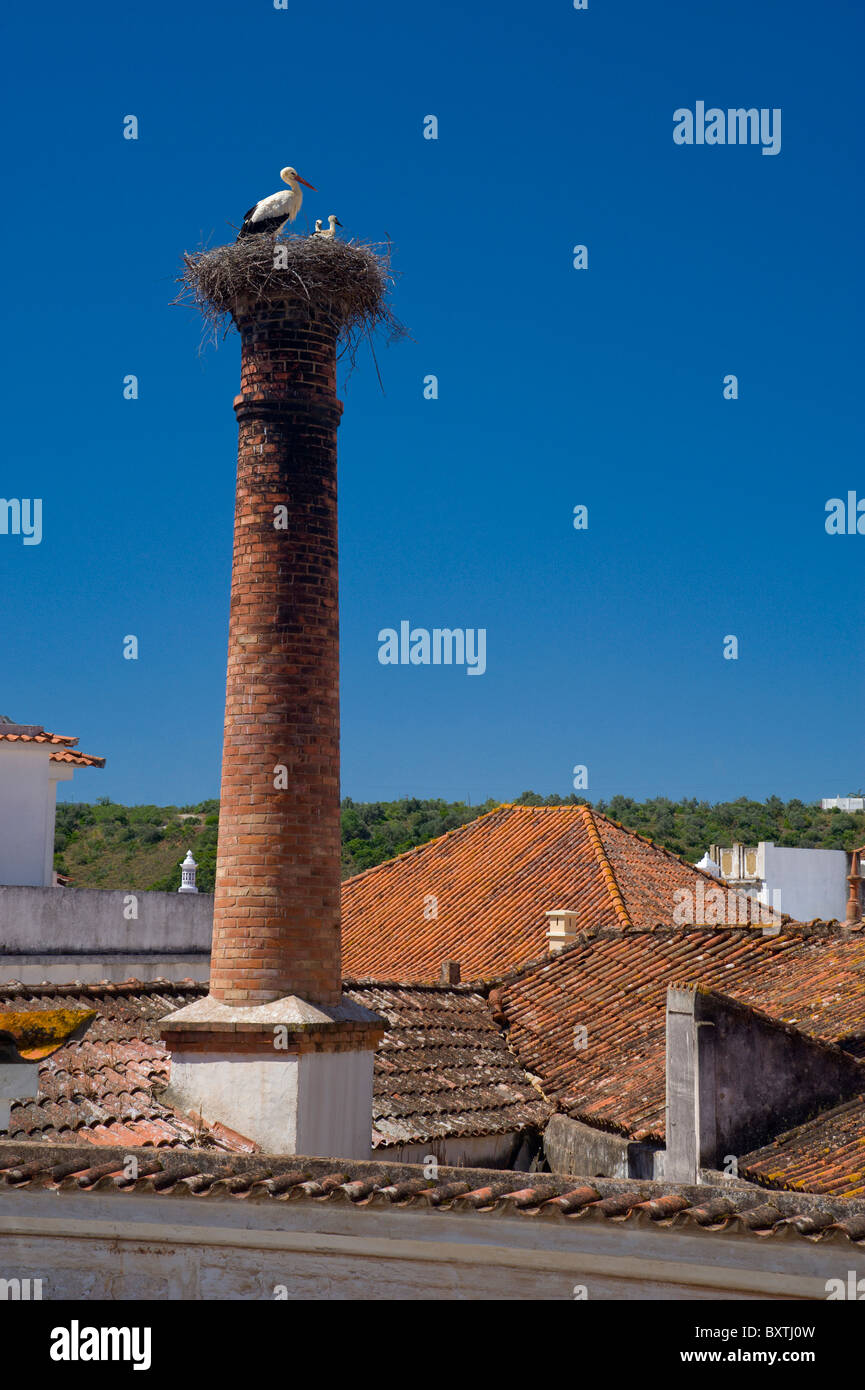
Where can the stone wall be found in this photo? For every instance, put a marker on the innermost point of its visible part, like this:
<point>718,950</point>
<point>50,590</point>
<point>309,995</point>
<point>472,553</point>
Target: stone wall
<point>93,934</point>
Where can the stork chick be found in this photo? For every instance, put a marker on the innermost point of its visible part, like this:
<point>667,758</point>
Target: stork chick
<point>331,232</point>
<point>268,215</point>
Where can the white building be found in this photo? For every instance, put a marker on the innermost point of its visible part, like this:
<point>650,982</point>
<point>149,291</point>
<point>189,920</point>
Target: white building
<point>843,803</point>
<point>804,883</point>
<point>32,762</point>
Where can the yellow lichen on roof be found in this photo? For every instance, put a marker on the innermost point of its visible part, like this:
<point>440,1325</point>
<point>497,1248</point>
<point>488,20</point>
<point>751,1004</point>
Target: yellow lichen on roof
<point>36,1033</point>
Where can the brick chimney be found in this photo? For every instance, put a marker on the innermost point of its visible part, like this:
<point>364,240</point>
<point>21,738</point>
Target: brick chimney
<point>275,1051</point>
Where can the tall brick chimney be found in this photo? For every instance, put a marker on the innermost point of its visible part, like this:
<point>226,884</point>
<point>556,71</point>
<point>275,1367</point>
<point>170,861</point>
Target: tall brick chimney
<point>275,1051</point>
<point>276,913</point>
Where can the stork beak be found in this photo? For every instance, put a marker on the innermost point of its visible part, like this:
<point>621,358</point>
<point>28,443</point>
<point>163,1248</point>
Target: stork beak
<point>307,185</point>
<point>338,223</point>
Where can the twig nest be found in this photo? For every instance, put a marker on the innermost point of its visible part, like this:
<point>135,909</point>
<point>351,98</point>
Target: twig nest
<point>346,282</point>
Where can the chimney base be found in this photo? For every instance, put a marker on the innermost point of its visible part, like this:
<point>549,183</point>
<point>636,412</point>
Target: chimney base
<point>19,1080</point>
<point>294,1077</point>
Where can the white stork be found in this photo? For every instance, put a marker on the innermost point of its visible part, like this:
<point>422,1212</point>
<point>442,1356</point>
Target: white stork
<point>331,232</point>
<point>269,214</point>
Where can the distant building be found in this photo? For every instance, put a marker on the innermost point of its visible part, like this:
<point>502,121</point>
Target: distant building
<point>32,762</point>
<point>804,883</point>
<point>843,803</point>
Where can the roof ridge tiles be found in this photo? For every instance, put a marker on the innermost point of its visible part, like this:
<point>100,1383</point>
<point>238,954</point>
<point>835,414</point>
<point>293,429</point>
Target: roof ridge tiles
<point>671,854</point>
<point>244,1177</point>
<point>111,988</point>
<point>606,868</point>
<point>618,931</point>
<point>368,982</point>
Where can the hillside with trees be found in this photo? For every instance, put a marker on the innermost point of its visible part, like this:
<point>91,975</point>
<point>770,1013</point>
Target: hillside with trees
<point>140,847</point>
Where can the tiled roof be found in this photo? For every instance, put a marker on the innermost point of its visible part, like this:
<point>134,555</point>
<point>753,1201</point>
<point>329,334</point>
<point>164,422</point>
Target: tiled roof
<point>494,879</point>
<point>443,1067</point>
<point>613,982</point>
<point>827,1154</point>
<point>99,1089</point>
<point>624,1204</point>
<point>63,743</point>
<point>442,1070</point>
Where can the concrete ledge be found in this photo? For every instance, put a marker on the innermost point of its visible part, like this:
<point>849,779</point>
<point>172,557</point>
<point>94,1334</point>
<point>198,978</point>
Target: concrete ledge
<point>113,967</point>
<point>210,1015</point>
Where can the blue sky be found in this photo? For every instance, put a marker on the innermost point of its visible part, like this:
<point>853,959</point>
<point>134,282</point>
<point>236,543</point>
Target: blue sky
<point>556,386</point>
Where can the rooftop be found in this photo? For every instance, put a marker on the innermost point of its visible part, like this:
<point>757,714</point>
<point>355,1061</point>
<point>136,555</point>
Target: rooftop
<point>443,1069</point>
<point>494,880</point>
<point>613,983</point>
<point>826,1154</point>
<point>62,745</point>
<point>99,1089</point>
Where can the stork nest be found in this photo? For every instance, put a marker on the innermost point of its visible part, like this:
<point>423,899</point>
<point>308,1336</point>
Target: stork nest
<point>346,281</point>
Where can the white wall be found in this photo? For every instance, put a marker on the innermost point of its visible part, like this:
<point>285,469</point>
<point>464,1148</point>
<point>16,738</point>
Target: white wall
<point>28,788</point>
<point>808,883</point>
<point>82,920</point>
<point>89,934</point>
<point>335,1103</point>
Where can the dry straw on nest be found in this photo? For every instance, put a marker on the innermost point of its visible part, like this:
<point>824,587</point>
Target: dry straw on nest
<point>347,281</point>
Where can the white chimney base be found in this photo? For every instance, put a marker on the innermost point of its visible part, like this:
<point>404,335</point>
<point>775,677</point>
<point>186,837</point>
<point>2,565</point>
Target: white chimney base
<point>19,1080</point>
<point>313,1103</point>
<point>295,1077</point>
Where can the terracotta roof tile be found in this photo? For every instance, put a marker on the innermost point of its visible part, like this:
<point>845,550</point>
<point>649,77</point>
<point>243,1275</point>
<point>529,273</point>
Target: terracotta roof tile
<point>78,759</point>
<point>100,1089</point>
<point>613,983</point>
<point>64,743</point>
<point>493,882</point>
<point>443,1069</point>
<point>826,1154</point>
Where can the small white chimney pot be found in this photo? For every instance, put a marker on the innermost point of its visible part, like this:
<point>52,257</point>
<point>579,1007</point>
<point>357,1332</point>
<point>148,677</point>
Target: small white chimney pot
<point>187,874</point>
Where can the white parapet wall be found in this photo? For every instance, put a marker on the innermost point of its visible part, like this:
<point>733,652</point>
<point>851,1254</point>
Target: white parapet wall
<point>806,883</point>
<point>104,1245</point>
<point>87,934</point>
